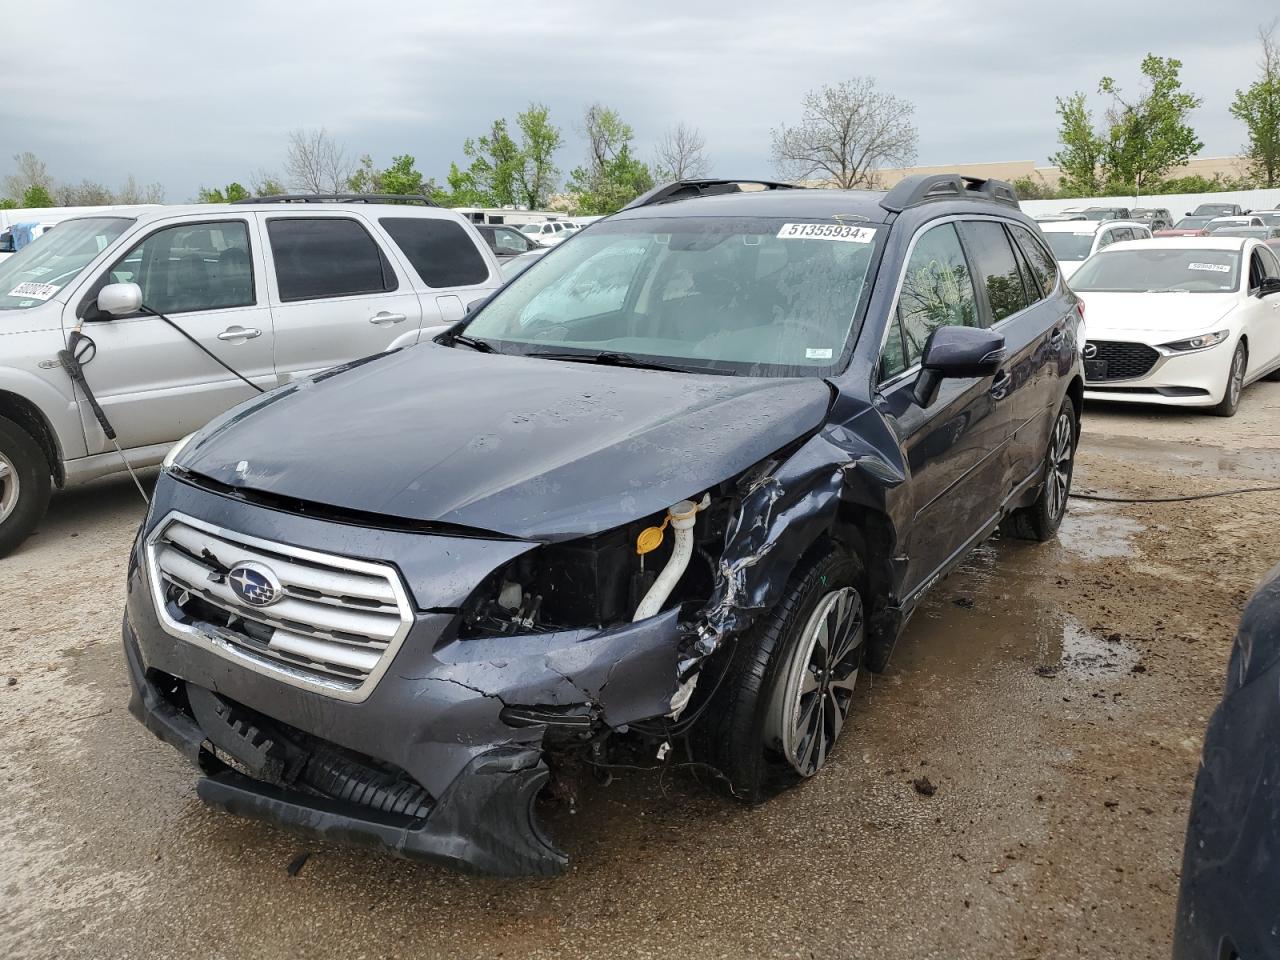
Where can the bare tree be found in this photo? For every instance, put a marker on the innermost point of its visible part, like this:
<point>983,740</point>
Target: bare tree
<point>131,192</point>
<point>848,131</point>
<point>30,172</point>
<point>263,183</point>
<point>681,154</point>
<point>316,163</point>
<point>87,193</point>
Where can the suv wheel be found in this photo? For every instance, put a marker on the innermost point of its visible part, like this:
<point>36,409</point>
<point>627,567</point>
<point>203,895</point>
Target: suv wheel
<point>24,485</point>
<point>1235,383</point>
<point>789,683</point>
<point>1041,520</point>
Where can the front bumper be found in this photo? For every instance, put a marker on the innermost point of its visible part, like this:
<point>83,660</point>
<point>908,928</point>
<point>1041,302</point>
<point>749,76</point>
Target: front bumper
<point>441,714</point>
<point>1195,379</point>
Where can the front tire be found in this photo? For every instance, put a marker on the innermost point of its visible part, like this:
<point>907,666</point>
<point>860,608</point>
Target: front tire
<point>789,683</point>
<point>24,485</point>
<point>1041,520</point>
<point>1235,383</point>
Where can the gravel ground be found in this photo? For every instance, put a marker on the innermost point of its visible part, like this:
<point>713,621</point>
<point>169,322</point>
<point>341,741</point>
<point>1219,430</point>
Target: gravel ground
<point>1055,696</point>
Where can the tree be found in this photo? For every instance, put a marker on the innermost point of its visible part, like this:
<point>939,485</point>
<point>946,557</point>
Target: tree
<point>366,177</point>
<point>845,134</point>
<point>612,176</point>
<point>402,178</point>
<point>681,154</point>
<point>495,167</point>
<point>1082,149</point>
<point>1149,136</point>
<point>130,192</point>
<point>228,194</point>
<point>540,140</point>
<point>1258,108</point>
<point>36,196</point>
<point>88,193</point>
<point>30,172</point>
<point>264,184</point>
<point>316,163</point>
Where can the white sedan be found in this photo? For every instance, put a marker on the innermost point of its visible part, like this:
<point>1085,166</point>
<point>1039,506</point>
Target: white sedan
<point>1184,321</point>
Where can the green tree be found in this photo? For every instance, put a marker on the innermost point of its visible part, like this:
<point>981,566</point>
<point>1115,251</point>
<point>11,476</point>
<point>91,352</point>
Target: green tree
<point>36,196</point>
<point>402,178</point>
<point>367,178</point>
<point>7,204</point>
<point>539,142</point>
<point>1082,149</point>
<point>1258,108</point>
<point>1149,136</point>
<point>496,162</point>
<point>612,176</point>
<point>228,194</point>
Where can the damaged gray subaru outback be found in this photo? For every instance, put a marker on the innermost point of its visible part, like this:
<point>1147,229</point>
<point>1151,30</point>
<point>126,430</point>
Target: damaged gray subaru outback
<point>672,488</point>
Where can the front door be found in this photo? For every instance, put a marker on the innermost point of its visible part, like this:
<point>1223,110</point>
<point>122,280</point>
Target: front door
<point>154,385</point>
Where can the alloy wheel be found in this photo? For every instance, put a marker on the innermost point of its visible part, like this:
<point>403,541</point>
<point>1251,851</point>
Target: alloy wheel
<point>1235,383</point>
<point>1061,450</point>
<point>9,488</point>
<point>819,689</point>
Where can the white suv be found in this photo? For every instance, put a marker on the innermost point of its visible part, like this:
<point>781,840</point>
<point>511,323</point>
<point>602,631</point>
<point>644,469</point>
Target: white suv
<point>276,290</point>
<point>1075,241</point>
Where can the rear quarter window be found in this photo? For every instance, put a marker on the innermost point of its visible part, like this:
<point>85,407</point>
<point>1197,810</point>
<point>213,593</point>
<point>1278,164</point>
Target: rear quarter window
<point>441,251</point>
<point>326,257</point>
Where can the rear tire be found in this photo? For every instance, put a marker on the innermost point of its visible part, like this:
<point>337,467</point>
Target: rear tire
<point>1235,383</point>
<point>1040,521</point>
<point>789,683</point>
<point>24,485</point>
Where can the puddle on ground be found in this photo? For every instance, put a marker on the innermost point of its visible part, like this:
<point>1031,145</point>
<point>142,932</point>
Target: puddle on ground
<point>1093,532</point>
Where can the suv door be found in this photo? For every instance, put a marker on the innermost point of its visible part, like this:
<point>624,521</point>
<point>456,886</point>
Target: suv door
<point>954,448</point>
<point>206,275</point>
<point>336,294</point>
<point>449,268</point>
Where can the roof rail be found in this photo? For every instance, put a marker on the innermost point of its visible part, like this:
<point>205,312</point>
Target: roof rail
<point>683,189</point>
<point>343,198</point>
<point>924,187</point>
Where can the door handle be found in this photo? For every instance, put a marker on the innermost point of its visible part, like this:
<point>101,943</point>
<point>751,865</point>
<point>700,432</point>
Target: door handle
<point>239,333</point>
<point>382,318</point>
<point>1000,385</point>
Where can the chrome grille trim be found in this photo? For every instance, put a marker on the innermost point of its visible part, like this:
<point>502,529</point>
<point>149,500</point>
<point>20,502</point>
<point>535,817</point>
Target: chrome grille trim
<point>336,630</point>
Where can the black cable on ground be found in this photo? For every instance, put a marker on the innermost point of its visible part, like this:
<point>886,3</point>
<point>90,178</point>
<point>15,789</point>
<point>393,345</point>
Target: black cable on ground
<point>1191,496</point>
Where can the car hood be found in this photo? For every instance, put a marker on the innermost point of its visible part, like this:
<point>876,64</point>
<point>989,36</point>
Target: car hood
<point>535,449</point>
<point>1109,313</point>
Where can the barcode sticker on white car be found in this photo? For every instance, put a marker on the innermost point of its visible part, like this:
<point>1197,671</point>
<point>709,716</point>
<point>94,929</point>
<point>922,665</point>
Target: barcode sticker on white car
<point>817,353</point>
<point>34,291</point>
<point>1211,267</point>
<point>826,231</point>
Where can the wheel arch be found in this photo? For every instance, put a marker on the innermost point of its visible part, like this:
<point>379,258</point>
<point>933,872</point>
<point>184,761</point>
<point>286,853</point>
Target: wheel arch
<point>29,417</point>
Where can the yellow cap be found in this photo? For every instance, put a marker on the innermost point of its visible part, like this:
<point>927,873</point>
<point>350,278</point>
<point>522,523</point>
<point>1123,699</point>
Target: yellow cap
<point>650,539</point>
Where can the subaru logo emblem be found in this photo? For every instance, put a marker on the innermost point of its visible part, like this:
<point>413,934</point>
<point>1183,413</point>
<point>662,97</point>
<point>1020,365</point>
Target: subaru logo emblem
<point>255,584</point>
<point>1090,351</point>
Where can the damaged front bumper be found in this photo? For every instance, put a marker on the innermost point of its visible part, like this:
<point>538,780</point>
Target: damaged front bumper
<point>441,761</point>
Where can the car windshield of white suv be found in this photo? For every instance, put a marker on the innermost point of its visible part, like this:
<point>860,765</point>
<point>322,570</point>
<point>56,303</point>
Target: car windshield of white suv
<point>531,228</point>
<point>1070,246</point>
<point>759,296</point>
<point>1159,270</point>
<point>38,271</point>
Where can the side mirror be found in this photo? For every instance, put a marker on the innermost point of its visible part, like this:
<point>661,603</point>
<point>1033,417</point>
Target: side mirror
<point>956,353</point>
<point>475,305</point>
<point>120,299</point>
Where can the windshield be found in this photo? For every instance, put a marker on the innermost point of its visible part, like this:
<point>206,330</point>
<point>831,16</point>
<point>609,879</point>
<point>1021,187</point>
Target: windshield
<point>38,271</point>
<point>1104,214</point>
<point>1215,225</point>
<point>531,228</point>
<point>1070,246</point>
<point>1191,223</point>
<point>1216,209</point>
<point>720,295</point>
<point>1270,219</point>
<point>1258,233</point>
<point>1159,269</point>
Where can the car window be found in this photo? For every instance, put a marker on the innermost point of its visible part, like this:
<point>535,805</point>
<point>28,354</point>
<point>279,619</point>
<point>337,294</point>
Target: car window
<point>1043,266</point>
<point>191,266</point>
<point>1075,245</point>
<point>937,291</point>
<point>326,257</point>
<point>439,250</point>
<point>1270,262</point>
<point>1259,268</point>
<point>509,241</point>
<point>995,267</point>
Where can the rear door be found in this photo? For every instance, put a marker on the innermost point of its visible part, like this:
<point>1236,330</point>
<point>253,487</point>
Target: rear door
<point>955,446</point>
<point>336,293</point>
<point>449,265</point>
<point>154,385</point>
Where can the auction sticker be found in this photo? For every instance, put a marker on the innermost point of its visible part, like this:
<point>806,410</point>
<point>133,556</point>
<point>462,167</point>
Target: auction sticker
<point>34,291</point>
<point>826,231</point>
<point>1213,267</point>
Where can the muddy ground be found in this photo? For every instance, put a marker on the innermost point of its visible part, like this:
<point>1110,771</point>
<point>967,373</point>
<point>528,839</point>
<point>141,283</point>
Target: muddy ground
<point>1055,696</point>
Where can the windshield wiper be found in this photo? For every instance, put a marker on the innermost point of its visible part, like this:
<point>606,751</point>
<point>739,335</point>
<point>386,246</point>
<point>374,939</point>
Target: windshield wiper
<point>483,346</point>
<point>609,358</point>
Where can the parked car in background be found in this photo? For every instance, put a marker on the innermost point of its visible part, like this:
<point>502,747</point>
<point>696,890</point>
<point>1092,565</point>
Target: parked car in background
<point>18,235</point>
<point>1216,210</point>
<point>1107,213</point>
<point>1231,861</point>
<point>277,290</point>
<point>1270,217</point>
<point>512,267</point>
<point>1074,241</point>
<point>1181,321</point>
<point>1267,234</point>
<point>506,241</point>
<point>1156,218</point>
<point>1187,227</point>
<point>1232,223</point>
<point>548,234</point>
<point>682,480</point>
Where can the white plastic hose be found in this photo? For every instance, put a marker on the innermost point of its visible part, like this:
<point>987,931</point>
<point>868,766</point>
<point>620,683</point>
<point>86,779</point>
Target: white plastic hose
<point>683,516</point>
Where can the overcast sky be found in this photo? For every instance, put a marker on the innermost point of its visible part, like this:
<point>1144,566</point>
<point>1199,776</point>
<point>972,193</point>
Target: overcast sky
<point>204,93</point>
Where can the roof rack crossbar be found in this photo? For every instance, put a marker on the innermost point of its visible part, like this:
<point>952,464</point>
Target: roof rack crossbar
<point>683,189</point>
<point>925,187</point>
<point>343,198</point>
